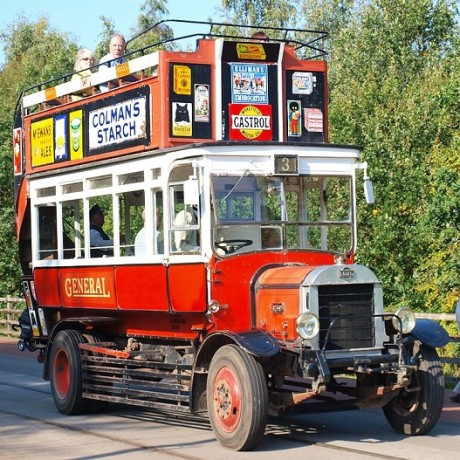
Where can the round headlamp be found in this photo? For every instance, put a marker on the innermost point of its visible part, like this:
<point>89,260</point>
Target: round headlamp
<point>307,325</point>
<point>406,320</point>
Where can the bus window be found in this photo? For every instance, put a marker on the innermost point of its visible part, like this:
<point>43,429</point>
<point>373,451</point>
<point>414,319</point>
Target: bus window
<point>47,242</point>
<point>131,203</point>
<point>185,221</point>
<point>149,238</point>
<point>130,206</point>
<point>101,226</point>
<point>158,222</point>
<point>73,229</point>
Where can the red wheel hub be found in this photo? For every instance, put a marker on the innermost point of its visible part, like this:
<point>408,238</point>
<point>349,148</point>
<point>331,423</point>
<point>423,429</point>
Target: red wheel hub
<point>227,399</point>
<point>61,369</point>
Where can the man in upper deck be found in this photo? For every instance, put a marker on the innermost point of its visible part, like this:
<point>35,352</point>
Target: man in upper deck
<point>115,57</point>
<point>260,36</point>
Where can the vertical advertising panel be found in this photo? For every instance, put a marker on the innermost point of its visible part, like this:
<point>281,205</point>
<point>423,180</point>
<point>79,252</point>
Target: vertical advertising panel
<point>76,134</point>
<point>190,101</point>
<point>42,142</point>
<point>249,91</point>
<point>17,148</point>
<point>305,110</point>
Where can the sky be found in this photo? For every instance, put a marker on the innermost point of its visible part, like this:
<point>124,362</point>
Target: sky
<point>81,18</point>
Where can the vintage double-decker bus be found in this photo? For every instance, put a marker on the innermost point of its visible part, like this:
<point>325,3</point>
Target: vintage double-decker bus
<point>225,282</point>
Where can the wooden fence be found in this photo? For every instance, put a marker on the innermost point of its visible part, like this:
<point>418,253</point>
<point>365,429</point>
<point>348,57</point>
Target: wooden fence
<point>10,310</point>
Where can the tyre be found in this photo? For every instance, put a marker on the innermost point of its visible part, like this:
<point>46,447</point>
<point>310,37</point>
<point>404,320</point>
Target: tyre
<point>417,412</point>
<point>66,376</point>
<point>237,398</point>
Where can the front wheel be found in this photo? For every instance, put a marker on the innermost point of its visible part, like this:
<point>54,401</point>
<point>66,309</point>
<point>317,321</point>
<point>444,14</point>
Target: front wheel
<point>237,398</point>
<point>66,376</point>
<point>417,412</point>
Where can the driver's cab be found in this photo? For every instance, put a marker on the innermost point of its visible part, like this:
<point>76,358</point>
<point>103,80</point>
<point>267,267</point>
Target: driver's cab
<point>267,212</point>
<point>248,211</point>
<point>231,213</point>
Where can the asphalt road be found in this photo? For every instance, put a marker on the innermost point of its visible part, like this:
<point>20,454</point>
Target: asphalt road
<point>31,428</point>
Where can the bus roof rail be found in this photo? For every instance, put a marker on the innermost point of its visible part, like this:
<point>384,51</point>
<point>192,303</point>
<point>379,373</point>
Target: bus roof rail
<point>300,38</point>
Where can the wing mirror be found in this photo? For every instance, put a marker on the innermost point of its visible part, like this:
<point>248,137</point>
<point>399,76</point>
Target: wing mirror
<point>368,187</point>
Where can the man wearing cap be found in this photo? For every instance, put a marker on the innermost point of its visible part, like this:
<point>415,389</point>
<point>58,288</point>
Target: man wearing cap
<point>98,238</point>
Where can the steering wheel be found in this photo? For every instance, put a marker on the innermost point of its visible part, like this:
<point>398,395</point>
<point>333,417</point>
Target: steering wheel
<point>230,246</point>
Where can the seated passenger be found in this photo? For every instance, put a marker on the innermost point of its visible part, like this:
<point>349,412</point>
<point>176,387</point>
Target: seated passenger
<point>186,240</point>
<point>114,57</point>
<point>99,240</point>
<point>84,60</point>
<point>260,36</point>
<point>140,244</point>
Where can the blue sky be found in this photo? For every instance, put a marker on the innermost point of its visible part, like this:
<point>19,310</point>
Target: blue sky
<point>81,17</point>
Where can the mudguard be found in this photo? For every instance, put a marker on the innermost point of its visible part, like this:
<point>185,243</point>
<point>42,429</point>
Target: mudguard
<point>255,342</point>
<point>258,343</point>
<point>429,332</point>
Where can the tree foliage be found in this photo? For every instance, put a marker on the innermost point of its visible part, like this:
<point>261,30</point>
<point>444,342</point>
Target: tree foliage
<point>34,53</point>
<point>148,30</point>
<point>260,13</point>
<point>389,98</point>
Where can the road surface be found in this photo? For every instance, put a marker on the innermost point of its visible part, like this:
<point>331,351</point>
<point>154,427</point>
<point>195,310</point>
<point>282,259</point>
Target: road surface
<point>31,428</point>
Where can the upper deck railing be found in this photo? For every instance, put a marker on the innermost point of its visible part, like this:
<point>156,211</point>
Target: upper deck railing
<point>305,42</point>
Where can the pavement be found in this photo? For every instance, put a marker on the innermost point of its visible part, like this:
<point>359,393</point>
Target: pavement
<point>9,346</point>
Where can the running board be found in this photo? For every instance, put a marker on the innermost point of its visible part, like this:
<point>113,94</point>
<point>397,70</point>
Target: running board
<point>137,382</point>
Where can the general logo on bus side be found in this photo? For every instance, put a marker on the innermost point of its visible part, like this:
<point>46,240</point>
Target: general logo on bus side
<point>95,286</point>
<point>250,122</point>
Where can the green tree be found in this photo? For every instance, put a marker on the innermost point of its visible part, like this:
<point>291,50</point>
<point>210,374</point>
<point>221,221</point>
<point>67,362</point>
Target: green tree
<point>258,14</point>
<point>143,34</point>
<point>147,30</point>
<point>437,273</point>
<point>387,98</point>
<point>34,53</point>
<point>279,13</point>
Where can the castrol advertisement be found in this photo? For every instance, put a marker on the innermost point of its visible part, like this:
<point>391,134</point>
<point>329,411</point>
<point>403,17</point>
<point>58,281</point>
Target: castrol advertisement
<point>250,122</point>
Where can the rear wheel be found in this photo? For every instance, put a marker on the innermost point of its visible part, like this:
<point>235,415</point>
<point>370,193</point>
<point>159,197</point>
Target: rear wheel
<point>417,412</point>
<point>237,398</point>
<point>66,376</point>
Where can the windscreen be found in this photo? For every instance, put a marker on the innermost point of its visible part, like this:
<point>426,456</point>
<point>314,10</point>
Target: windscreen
<point>269,212</point>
